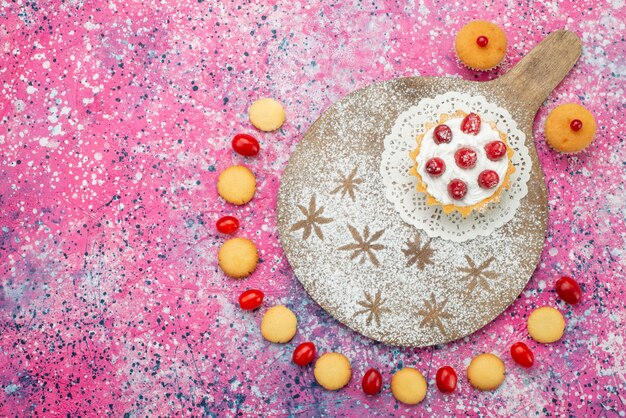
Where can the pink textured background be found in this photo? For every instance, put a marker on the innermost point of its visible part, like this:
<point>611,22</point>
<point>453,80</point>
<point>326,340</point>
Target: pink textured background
<point>116,120</point>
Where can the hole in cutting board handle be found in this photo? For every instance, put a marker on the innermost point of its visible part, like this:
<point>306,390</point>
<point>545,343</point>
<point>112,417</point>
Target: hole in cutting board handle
<point>532,80</point>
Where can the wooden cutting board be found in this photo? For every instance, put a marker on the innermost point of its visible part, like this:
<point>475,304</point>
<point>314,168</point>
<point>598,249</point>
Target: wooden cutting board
<point>373,272</point>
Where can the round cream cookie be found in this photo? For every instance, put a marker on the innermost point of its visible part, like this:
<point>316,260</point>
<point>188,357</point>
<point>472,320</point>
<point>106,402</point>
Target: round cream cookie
<point>408,386</point>
<point>238,257</point>
<point>546,325</point>
<point>279,324</point>
<point>236,185</point>
<point>332,371</point>
<point>267,114</point>
<point>486,372</point>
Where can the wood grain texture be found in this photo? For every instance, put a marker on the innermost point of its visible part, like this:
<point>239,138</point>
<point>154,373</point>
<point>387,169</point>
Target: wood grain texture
<point>530,82</point>
<point>353,129</point>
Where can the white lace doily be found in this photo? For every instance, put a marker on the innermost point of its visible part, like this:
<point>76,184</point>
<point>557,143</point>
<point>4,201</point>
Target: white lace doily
<point>400,186</point>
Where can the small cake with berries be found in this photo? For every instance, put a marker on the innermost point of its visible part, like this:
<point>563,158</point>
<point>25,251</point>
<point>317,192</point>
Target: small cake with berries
<point>462,163</point>
<point>480,45</point>
<point>570,128</point>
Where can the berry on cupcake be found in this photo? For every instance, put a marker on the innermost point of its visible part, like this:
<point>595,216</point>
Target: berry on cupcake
<point>480,45</point>
<point>570,128</point>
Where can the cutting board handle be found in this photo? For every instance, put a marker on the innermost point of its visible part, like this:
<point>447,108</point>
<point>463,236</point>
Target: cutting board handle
<point>538,73</point>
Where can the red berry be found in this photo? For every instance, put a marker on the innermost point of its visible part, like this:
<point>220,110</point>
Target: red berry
<point>245,144</point>
<point>435,167</point>
<point>495,150</point>
<point>576,125</point>
<point>304,354</point>
<point>465,158</point>
<point>482,41</point>
<point>568,290</point>
<point>471,124</point>
<point>457,189</point>
<point>446,379</point>
<point>227,224</point>
<point>488,179</point>
<point>522,355</point>
<point>251,299</point>
<point>443,134</point>
<point>372,382</point>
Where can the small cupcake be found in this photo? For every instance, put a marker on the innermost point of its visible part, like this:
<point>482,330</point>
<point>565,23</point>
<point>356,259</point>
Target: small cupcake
<point>462,163</point>
<point>480,45</point>
<point>570,128</point>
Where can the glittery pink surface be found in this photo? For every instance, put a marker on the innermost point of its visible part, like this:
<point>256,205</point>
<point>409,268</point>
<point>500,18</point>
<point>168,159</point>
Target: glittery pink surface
<point>116,120</point>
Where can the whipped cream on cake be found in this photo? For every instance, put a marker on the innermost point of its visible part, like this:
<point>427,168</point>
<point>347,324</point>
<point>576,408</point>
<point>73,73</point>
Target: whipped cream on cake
<point>462,163</point>
<point>437,186</point>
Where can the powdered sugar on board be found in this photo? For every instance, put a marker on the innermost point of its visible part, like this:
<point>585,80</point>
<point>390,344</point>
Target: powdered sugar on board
<point>362,263</point>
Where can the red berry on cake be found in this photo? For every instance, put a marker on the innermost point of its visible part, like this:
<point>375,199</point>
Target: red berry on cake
<point>465,158</point>
<point>457,189</point>
<point>482,41</point>
<point>442,134</point>
<point>495,150</point>
<point>435,167</point>
<point>576,125</point>
<point>488,179</point>
<point>471,124</point>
